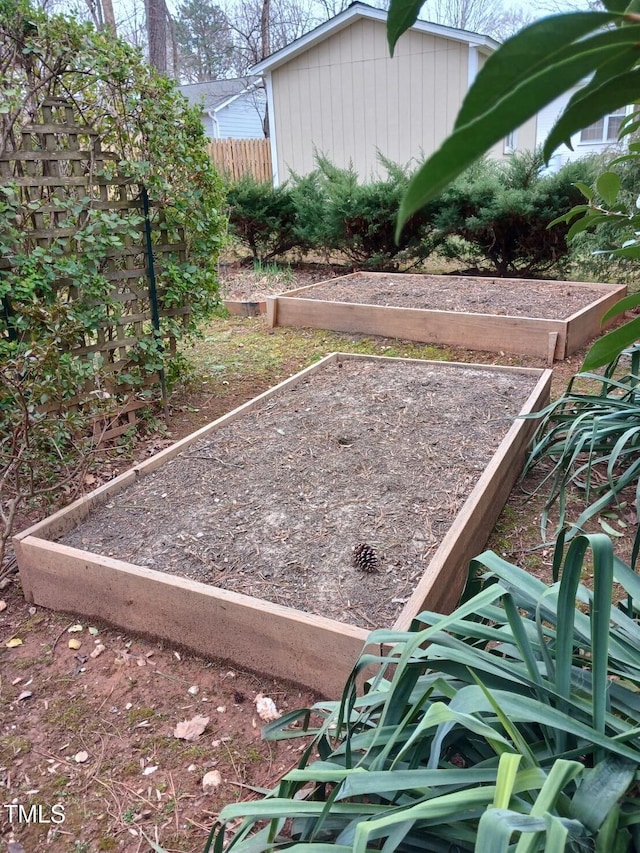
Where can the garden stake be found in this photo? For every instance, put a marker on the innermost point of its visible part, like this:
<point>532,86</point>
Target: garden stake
<point>153,293</point>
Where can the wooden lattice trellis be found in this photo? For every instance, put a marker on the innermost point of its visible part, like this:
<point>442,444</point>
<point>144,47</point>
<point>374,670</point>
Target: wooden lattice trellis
<point>58,160</point>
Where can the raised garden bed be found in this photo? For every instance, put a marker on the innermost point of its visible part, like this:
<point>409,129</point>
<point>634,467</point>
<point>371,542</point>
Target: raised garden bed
<point>546,319</point>
<point>245,307</point>
<point>237,541</point>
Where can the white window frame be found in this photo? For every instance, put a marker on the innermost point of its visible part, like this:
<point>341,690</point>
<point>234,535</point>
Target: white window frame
<point>604,138</point>
<point>511,142</point>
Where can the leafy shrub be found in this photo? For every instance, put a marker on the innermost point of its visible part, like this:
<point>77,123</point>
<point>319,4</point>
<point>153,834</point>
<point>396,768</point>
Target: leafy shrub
<point>358,220</point>
<point>502,211</point>
<point>54,297</point>
<point>591,250</point>
<point>263,217</point>
<point>590,440</point>
<point>329,211</point>
<point>515,715</point>
<point>142,118</point>
<point>495,216</point>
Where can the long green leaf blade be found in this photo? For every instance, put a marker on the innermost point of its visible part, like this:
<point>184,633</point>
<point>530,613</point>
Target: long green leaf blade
<point>609,96</point>
<point>402,15</point>
<point>600,789</point>
<point>609,346</point>
<point>627,303</point>
<point>468,142</point>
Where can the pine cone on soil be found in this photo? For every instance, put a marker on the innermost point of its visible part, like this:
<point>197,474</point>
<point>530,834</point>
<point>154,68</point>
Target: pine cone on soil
<point>365,558</point>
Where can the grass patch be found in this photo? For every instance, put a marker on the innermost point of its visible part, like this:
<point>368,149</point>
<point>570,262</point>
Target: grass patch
<point>232,349</point>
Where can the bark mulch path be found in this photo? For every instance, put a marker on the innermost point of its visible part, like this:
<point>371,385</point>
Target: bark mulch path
<point>273,504</point>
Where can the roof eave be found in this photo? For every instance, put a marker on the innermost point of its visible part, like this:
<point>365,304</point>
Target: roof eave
<point>344,19</point>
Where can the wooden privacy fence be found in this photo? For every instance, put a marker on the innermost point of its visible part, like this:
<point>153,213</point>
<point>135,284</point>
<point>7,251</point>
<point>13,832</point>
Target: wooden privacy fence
<point>237,157</point>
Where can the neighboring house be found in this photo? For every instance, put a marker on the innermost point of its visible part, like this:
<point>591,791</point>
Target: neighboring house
<point>337,91</point>
<point>230,108</point>
<point>596,139</point>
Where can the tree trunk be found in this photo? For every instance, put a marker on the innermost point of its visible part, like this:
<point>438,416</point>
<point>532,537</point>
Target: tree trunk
<point>108,15</point>
<point>157,34</point>
<point>265,37</point>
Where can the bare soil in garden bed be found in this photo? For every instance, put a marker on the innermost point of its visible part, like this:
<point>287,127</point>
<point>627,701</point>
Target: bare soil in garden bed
<point>273,504</point>
<point>551,300</point>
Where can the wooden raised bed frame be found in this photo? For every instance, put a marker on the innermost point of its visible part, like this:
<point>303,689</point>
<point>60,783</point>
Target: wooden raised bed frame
<point>551,340</point>
<point>253,633</point>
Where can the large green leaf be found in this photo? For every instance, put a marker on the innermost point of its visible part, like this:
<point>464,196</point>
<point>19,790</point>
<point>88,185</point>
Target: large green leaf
<point>609,96</point>
<point>600,789</point>
<point>606,348</point>
<point>608,183</point>
<point>402,15</point>
<point>544,43</point>
<point>622,305</point>
<point>476,137</point>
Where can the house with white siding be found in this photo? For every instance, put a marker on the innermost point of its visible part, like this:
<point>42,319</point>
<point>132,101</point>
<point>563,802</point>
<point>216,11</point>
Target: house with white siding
<point>337,91</point>
<point>598,138</point>
<point>231,109</point>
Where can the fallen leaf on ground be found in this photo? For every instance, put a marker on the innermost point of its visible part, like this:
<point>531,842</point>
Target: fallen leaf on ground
<point>3,606</point>
<point>26,694</point>
<point>266,708</point>
<point>191,729</point>
<point>13,643</point>
<point>211,780</point>
<point>75,644</point>
<point>73,629</point>
<point>81,757</point>
<point>97,651</point>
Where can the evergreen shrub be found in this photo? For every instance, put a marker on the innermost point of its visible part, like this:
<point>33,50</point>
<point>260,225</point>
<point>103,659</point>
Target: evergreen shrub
<point>502,212</point>
<point>494,218</point>
<point>263,217</point>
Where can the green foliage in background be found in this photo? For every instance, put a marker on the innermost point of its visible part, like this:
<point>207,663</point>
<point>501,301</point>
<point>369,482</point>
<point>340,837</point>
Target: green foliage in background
<point>610,208</point>
<point>591,248</point>
<point>357,220</point>
<point>495,216</point>
<point>263,217</point>
<point>502,211</point>
<point>139,116</point>
<point>510,724</point>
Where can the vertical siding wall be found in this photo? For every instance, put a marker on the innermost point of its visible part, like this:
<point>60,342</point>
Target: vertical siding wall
<point>346,97</point>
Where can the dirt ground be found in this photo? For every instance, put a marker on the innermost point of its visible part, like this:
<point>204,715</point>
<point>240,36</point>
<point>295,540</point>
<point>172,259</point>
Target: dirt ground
<point>88,735</point>
<point>509,297</point>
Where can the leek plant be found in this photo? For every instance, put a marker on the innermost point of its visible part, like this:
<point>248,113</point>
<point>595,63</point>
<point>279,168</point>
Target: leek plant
<point>592,441</point>
<point>510,724</point>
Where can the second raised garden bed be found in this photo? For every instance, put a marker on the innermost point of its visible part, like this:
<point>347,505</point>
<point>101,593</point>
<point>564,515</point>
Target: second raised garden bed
<point>546,319</point>
<point>237,541</point>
